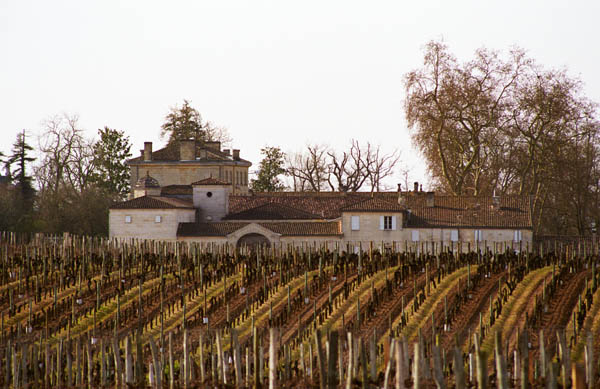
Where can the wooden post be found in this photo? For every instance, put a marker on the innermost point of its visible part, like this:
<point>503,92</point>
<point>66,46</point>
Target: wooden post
<point>201,350</point>
<point>416,367</point>
<point>321,357</point>
<point>332,379</point>
<point>388,368</point>
<point>118,363</point>
<point>171,364</point>
<point>237,358</point>
<point>273,358</point>
<point>186,359</point>
<point>523,348</point>
<point>129,380</point>
<point>155,363</point>
<point>438,374</point>
<point>589,361</point>
<point>542,354</point>
<point>502,378</point>
<point>255,355</point>
<point>363,364</point>
<point>350,359</point>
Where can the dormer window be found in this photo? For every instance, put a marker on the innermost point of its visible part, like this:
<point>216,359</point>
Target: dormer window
<point>127,219</point>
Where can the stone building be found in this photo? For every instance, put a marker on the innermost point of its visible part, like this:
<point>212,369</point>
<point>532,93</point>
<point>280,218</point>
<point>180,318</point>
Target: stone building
<point>188,195</point>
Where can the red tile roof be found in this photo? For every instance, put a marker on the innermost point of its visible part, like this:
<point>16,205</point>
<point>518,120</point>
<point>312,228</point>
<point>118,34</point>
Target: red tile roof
<point>374,204</point>
<point>448,211</point>
<point>272,211</point>
<point>151,202</point>
<point>211,181</point>
<point>170,153</point>
<point>176,190</point>
<point>316,228</point>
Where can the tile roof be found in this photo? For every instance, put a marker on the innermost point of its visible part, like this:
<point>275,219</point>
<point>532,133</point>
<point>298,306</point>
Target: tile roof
<point>170,153</point>
<point>211,181</point>
<point>151,202</point>
<point>317,228</point>
<point>470,211</point>
<point>374,204</point>
<point>272,211</point>
<point>449,211</point>
<point>326,205</point>
<point>176,190</point>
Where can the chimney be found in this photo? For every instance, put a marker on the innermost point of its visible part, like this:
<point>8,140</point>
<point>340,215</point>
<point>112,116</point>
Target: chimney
<point>187,150</point>
<point>401,196</point>
<point>416,187</point>
<point>430,199</point>
<point>214,145</point>
<point>147,151</point>
<point>226,152</point>
<point>142,154</point>
<point>399,188</point>
<point>236,154</point>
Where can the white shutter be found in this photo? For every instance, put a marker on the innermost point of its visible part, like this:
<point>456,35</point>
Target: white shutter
<point>381,225</point>
<point>394,223</point>
<point>415,235</point>
<point>454,235</point>
<point>355,223</point>
<point>478,235</point>
<point>518,236</point>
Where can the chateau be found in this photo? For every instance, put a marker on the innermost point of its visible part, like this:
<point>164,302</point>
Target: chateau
<point>193,191</point>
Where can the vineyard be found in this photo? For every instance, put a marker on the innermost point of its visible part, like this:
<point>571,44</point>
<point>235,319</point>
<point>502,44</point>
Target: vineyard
<point>83,312</point>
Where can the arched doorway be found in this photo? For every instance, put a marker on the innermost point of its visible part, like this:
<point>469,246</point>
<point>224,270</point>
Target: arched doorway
<point>253,240</point>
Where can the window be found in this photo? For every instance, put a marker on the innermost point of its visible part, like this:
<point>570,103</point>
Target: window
<point>454,235</point>
<point>209,194</point>
<point>387,223</point>
<point>355,223</point>
<point>157,219</point>
<point>478,236</point>
<point>415,235</point>
<point>127,219</point>
<point>518,236</point>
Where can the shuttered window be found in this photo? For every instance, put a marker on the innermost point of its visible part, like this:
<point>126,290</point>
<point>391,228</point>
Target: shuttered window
<point>478,236</point>
<point>454,235</point>
<point>415,235</point>
<point>355,223</point>
<point>518,236</point>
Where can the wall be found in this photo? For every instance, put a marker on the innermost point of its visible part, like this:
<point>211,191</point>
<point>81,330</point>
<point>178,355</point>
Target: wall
<point>186,173</point>
<point>216,206</point>
<point>369,227</point>
<point>143,226</point>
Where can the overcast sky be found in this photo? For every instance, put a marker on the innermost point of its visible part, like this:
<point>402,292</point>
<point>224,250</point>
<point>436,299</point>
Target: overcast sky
<point>277,73</point>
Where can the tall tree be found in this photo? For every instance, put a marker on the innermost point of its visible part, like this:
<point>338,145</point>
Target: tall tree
<point>509,126</point>
<point>185,122</point>
<point>110,154</point>
<point>269,170</point>
<point>20,159</point>
<point>309,170</point>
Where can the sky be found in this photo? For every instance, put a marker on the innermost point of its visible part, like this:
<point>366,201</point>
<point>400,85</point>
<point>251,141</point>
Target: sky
<point>274,73</point>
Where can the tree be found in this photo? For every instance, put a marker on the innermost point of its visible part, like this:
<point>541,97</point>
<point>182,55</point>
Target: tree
<point>507,126</point>
<point>25,192</point>
<point>320,167</point>
<point>309,170</point>
<point>186,123</point>
<point>110,153</point>
<point>269,170</point>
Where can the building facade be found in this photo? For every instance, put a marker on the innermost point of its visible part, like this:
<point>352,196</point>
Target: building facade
<point>199,202</point>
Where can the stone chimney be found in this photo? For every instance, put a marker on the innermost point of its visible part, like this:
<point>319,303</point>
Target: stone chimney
<point>214,145</point>
<point>430,200</point>
<point>399,188</point>
<point>416,187</point>
<point>147,151</point>
<point>187,150</point>
<point>226,152</point>
<point>236,154</point>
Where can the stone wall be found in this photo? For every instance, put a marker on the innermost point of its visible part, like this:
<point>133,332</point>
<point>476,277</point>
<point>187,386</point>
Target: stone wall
<point>187,172</point>
<point>143,223</point>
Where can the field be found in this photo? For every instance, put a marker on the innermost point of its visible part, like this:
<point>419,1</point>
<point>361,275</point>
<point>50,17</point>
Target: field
<point>81,312</point>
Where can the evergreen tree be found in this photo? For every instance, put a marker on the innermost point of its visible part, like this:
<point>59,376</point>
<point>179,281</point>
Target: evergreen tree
<point>269,169</point>
<point>24,183</point>
<point>111,172</point>
<point>186,123</point>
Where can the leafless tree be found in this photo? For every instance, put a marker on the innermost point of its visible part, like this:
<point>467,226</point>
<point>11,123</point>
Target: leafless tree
<point>320,168</point>
<point>309,170</point>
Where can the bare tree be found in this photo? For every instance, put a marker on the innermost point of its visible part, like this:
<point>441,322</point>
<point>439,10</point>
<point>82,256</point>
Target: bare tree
<point>67,157</point>
<point>319,168</point>
<point>309,170</point>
